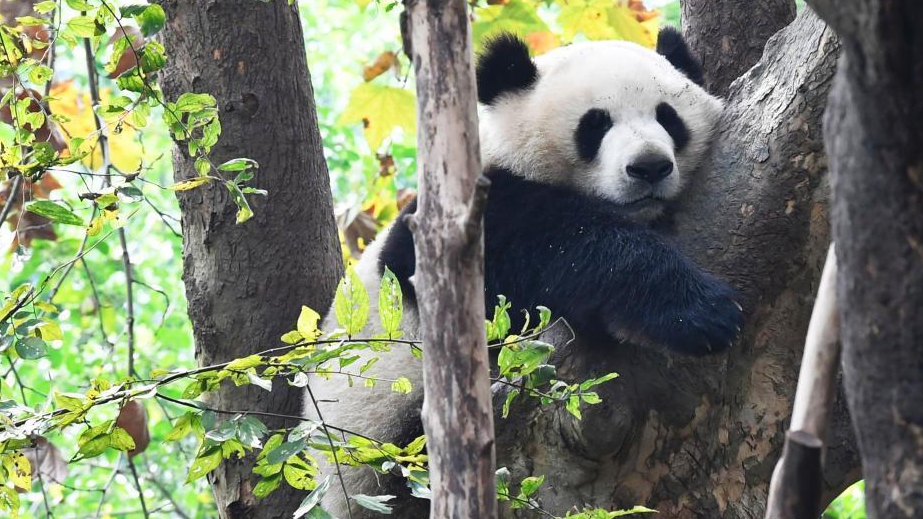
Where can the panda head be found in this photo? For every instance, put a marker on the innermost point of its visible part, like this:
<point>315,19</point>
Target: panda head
<point>608,118</point>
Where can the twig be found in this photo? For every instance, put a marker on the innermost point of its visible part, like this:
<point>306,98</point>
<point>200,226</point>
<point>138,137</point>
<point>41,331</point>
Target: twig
<point>105,489</point>
<point>333,451</point>
<point>166,493</point>
<point>134,475</point>
<point>107,180</point>
<point>14,192</point>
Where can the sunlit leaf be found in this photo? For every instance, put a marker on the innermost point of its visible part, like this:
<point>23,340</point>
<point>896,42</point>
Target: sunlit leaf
<point>381,109</point>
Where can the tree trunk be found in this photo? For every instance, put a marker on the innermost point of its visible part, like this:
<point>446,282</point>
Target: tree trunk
<point>729,35</point>
<point>874,135</point>
<point>246,283</point>
<point>448,236</point>
<point>700,437</point>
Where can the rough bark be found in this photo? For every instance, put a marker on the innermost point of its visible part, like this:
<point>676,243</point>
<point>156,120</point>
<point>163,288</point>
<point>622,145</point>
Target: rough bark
<point>874,135</point>
<point>700,437</point>
<point>448,236</point>
<point>729,35</point>
<point>246,283</point>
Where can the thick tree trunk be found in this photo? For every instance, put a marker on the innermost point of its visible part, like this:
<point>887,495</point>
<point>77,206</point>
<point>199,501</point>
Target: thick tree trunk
<point>448,236</point>
<point>874,135</point>
<point>246,283</point>
<point>729,35</point>
<point>700,437</point>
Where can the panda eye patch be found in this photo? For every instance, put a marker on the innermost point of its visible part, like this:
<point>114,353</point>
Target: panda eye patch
<point>593,126</point>
<point>674,125</point>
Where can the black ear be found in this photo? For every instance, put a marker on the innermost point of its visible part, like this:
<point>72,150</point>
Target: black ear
<point>504,66</point>
<point>671,45</point>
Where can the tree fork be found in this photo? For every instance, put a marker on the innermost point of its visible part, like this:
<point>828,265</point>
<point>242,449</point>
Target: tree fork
<point>448,236</point>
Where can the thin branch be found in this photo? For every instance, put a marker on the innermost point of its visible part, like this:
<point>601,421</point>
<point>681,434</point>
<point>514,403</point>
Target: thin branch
<point>333,451</point>
<point>107,180</point>
<point>105,489</point>
<point>134,475</point>
<point>14,192</point>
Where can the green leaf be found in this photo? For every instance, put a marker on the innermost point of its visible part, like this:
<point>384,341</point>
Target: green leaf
<point>531,485</point>
<point>31,348</point>
<point>244,212</point>
<point>351,304</point>
<point>40,74</point>
<point>402,385</point>
<point>204,463</point>
<point>523,358</point>
<point>238,165</point>
<point>54,212</point>
<point>309,502</point>
<point>79,5</point>
<point>573,406</point>
<point>509,400</point>
<point>267,485</point>
<point>374,503</point>
<point>83,26</point>
<point>300,473</point>
<point>250,431</point>
<point>45,7</point>
<point>153,57</point>
<point>189,102</point>
<point>151,18</point>
<point>381,109</point>
<point>121,440</point>
<point>390,304</point>
<point>243,363</point>
<point>285,451</point>
<point>185,425</point>
<point>635,510</point>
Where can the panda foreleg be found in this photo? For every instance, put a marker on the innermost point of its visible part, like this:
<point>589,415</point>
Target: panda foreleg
<point>660,296</point>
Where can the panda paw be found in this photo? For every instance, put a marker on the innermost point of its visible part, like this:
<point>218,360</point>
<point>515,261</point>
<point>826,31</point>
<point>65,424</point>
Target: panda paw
<point>707,323</point>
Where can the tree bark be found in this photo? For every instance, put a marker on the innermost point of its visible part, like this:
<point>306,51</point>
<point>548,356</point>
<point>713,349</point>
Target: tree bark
<point>729,35</point>
<point>448,236</point>
<point>246,283</point>
<point>874,135</point>
<point>700,437</point>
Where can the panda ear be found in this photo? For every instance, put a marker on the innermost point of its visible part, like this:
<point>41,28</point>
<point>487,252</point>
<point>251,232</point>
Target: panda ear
<point>671,45</point>
<point>503,67</point>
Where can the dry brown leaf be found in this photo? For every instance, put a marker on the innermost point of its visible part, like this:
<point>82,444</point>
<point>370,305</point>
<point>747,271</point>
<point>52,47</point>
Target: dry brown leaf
<point>382,64</point>
<point>133,418</point>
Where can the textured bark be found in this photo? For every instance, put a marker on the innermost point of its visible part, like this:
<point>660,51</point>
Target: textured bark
<point>874,135</point>
<point>448,236</point>
<point>729,35</point>
<point>246,283</point>
<point>700,437</point>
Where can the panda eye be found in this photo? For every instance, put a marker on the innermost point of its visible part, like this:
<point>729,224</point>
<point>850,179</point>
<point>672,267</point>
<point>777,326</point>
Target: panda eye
<point>590,132</point>
<point>673,124</point>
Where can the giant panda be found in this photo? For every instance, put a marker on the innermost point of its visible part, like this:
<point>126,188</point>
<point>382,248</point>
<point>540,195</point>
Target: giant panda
<point>585,147</point>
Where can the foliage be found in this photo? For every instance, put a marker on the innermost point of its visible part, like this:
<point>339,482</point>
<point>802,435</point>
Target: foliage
<point>88,426</point>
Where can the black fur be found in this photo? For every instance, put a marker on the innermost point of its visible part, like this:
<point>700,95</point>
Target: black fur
<point>590,132</point>
<point>579,256</point>
<point>674,125</point>
<point>671,45</point>
<point>504,66</point>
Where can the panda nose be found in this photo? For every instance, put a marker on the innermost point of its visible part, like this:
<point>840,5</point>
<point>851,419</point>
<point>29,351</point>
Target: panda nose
<point>651,170</point>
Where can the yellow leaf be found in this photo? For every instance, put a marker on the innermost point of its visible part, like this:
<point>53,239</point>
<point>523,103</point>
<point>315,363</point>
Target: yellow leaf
<point>514,17</point>
<point>75,115</point>
<point>51,331</point>
<point>192,183</point>
<point>21,475</point>
<point>363,3</point>
<point>587,17</point>
<point>307,322</point>
<point>381,109</point>
<point>96,226</point>
<point>542,41</point>
<point>627,27</point>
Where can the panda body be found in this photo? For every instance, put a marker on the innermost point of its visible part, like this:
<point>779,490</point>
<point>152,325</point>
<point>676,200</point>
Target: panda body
<point>584,146</point>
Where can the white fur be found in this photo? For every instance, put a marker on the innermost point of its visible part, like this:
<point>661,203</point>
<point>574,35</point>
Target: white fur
<point>376,412</point>
<point>532,134</point>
